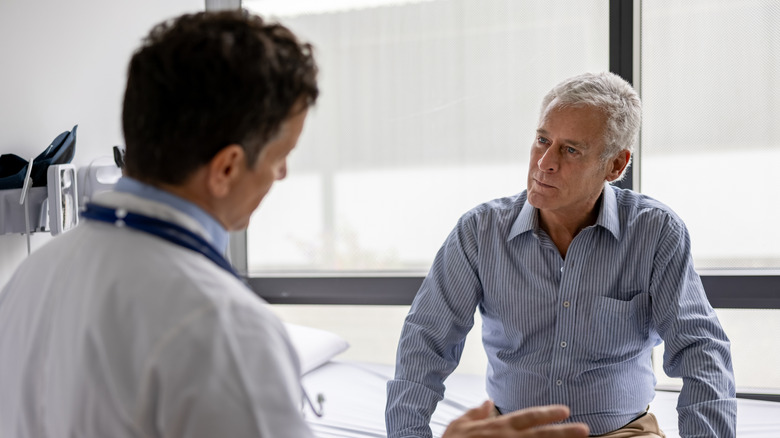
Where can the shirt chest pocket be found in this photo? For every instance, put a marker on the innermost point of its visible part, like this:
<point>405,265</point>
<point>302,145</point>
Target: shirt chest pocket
<point>618,328</point>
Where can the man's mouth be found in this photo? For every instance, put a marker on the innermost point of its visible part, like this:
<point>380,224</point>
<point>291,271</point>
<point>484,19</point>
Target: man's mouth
<point>543,184</point>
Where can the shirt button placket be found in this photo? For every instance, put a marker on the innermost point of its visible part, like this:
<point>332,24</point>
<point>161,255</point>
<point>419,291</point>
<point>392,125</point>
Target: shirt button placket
<point>561,358</point>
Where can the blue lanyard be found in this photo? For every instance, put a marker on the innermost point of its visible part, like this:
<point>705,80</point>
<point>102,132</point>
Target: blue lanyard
<point>171,232</point>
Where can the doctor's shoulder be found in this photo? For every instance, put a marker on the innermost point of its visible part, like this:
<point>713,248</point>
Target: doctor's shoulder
<point>238,311</point>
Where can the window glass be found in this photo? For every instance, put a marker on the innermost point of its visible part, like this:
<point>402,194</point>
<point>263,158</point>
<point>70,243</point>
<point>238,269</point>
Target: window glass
<point>710,85</point>
<point>427,109</point>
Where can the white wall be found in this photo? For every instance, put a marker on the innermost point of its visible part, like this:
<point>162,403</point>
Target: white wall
<point>63,63</point>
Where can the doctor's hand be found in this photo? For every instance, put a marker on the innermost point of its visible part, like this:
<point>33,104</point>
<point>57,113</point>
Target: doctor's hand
<point>525,423</point>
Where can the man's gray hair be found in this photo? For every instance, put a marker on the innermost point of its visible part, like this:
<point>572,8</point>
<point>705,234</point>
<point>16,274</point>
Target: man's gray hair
<point>612,95</point>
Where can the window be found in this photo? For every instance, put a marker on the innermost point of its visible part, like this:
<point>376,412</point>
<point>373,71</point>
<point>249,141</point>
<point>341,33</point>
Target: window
<point>710,84</point>
<point>427,109</point>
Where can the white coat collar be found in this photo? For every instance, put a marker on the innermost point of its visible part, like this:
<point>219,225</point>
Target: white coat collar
<point>146,207</point>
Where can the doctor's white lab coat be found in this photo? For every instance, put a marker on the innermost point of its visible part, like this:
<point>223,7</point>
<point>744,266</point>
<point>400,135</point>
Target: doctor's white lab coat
<point>112,332</point>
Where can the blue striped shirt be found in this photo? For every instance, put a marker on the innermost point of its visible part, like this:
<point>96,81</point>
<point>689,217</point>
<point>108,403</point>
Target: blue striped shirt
<point>577,331</point>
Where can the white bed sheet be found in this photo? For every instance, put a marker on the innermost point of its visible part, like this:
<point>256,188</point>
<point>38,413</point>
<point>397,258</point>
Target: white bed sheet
<point>355,403</point>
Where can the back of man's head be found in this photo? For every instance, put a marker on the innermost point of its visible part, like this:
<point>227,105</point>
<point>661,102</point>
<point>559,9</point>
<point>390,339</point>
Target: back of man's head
<point>204,81</point>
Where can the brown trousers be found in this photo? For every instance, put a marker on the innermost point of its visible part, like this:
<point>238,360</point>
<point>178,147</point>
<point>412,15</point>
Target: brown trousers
<point>645,426</point>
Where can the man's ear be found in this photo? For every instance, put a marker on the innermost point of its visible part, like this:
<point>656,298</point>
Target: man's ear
<point>224,169</point>
<point>616,165</point>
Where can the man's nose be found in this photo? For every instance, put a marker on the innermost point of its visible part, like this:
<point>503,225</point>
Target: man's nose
<point>549,160</point>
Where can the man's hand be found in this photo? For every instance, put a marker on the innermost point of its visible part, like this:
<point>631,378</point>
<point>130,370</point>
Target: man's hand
<point>526,423</point>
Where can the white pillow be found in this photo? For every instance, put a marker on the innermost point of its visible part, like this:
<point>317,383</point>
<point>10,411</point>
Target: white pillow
<point>315,347</point>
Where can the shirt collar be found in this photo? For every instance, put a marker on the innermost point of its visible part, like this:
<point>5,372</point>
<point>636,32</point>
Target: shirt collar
<point>214,230</point>
<point>528,219</point>
<point>608,216</point>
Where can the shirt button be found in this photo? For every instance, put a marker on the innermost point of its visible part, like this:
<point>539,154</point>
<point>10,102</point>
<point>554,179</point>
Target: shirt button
<point>559,382</point>
<point>561,268</point>
<point>563,344</point>
<point>566,304</point>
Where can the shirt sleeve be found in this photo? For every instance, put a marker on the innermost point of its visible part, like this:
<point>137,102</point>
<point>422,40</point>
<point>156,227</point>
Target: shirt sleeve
<point>696,347</point>
<point>225,373</point>
<point>433,335</point>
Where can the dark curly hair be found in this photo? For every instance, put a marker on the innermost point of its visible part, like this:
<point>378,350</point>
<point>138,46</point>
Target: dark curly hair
<point>203,81</point>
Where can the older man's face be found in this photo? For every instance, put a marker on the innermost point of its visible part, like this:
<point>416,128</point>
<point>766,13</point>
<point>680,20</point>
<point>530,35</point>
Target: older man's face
<point>567,174</point>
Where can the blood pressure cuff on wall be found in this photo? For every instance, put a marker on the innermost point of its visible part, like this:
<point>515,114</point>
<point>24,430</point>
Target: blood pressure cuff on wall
<point>13,168</point>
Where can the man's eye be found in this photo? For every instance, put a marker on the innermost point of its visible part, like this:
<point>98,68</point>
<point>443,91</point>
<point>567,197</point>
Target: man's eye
<point>542,140</point>
<point>571,150</point>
